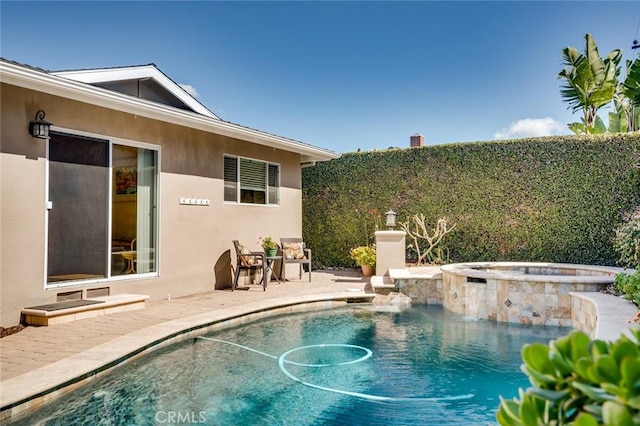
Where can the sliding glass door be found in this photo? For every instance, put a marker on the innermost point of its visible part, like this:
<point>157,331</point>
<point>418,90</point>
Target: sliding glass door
<point>102,218</point>
<point>78,209</point>
<point>134,216</point>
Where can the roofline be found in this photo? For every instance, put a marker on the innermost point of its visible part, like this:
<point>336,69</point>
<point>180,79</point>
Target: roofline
<point>100,75</point>
<point>24,76</point>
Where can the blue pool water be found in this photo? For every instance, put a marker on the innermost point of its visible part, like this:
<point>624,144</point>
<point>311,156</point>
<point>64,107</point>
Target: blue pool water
<point>347,366</point>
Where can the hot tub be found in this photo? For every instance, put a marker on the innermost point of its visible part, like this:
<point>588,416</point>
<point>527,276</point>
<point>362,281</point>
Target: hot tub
<point>520,292</point>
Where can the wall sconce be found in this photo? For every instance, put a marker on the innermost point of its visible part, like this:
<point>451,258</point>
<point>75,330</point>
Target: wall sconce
<point>39,128</point>
<point>391,219</point>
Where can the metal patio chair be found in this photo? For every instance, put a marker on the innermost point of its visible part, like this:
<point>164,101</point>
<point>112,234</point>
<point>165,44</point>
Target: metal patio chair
<point>294,251</point>
<point>249,261</point>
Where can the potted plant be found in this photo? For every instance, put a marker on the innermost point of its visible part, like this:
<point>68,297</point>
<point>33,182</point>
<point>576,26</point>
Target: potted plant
<point>269,246</point>
<point>365,256</point>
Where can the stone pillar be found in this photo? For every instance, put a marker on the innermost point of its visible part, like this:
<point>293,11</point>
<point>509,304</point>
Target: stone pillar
<point>390,253</point>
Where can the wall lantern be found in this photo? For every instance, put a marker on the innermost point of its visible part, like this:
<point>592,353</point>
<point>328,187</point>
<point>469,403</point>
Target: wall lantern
<point>39,128</point>
<point>391,219</point>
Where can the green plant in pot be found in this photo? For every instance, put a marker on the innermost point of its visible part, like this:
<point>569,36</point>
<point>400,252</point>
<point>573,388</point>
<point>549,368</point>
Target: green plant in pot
<point>365,256</point>
<point>269,246</point>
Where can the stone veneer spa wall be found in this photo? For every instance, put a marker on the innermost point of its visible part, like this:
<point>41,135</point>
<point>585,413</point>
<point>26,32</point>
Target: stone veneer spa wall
<point>525,293</point>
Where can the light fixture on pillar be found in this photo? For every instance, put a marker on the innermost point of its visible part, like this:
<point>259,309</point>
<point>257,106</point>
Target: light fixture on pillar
<point>391,219</point>
<point>39,128</point>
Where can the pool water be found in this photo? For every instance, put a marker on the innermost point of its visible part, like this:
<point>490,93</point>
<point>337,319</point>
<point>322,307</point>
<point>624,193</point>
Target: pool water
<point>350,366</point>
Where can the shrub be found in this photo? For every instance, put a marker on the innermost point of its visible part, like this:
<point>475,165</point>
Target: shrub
<point>550,199</point>
<point>578,381</point>
<point>364,255</point>
<point>629,284</point>
<point>627,239</point>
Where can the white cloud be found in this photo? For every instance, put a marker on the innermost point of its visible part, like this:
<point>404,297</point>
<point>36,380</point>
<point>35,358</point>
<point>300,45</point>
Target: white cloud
<point>531,127</point>
<point>190,90</point>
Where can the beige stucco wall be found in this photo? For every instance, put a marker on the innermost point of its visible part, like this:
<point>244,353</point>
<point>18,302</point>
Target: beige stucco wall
<point>194,241</point>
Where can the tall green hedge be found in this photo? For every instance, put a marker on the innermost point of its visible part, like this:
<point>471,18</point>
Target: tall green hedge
<point>551,199</point>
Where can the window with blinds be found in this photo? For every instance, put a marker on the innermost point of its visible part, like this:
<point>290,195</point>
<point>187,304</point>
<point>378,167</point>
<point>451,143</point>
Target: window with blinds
<point>249,181</point>
<point>231,179</point>
<point>274,184</point>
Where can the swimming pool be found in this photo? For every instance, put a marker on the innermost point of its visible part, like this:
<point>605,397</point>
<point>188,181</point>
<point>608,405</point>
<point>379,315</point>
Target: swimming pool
<point>352,365</point>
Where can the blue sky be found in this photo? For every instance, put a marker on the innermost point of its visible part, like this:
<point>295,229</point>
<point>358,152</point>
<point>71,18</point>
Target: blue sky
<point>340,75</point>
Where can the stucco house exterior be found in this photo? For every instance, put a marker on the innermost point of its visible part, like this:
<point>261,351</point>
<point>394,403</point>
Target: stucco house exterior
<point>133,163</point>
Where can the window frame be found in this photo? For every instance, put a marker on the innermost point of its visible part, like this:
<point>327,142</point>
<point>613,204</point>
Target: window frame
<point>268,167</point>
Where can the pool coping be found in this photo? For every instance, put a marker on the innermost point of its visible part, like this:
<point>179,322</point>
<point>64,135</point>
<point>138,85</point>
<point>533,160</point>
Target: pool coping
<point>469,269</point>
<point>613,314</point>
<point>39,386</point>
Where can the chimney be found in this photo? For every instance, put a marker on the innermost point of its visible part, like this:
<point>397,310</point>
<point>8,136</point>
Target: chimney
<point>416,140</point>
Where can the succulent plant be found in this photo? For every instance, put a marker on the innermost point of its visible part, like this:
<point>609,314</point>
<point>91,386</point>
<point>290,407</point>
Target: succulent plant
<point>578,381</point>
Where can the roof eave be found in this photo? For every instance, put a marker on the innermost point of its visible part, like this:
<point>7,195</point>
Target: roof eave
<point>36,80</point>
<point>102,75</point>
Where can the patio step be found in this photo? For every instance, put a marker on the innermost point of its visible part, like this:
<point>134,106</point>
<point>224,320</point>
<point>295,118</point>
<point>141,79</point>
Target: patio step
<point>61,312</point>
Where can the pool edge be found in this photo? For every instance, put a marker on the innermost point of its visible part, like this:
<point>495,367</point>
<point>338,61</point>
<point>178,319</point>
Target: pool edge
<point>40,386</point>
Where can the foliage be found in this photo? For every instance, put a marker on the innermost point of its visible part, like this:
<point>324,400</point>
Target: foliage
<point>439,256</point>
<point>372,225</point>
<point>578,381</point>
<point>626,100</point>
<point>627,239</point>
<point>632,82</point>
<point>590,83</point>
<point>550,199</point>
<point>629,284</point>
<point>597,127</point>
<point>630,89</point>
<point>267,243</point>
<point>364,255</point>
<point>418,232</point>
